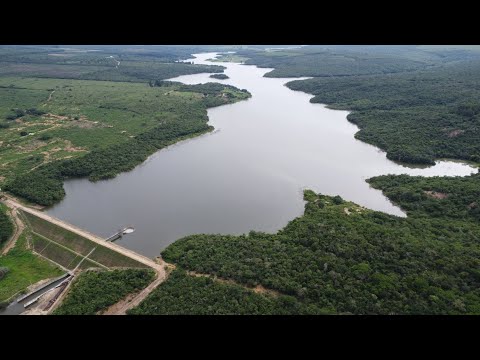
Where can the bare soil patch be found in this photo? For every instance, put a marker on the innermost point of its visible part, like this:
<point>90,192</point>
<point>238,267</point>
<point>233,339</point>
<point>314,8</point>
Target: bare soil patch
<point>436,195</point>
<point>455,133</point>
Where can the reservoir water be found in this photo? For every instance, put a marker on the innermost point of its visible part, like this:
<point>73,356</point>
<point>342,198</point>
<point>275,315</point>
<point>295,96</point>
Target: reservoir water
<point>246,175</point>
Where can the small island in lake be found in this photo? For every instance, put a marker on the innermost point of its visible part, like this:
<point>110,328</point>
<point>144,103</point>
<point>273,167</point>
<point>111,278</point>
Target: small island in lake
<point>219,76</point>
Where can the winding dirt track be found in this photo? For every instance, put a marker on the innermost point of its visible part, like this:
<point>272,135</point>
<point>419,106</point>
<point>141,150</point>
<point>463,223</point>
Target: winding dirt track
<point>49,98</point>
<point>19,226</point>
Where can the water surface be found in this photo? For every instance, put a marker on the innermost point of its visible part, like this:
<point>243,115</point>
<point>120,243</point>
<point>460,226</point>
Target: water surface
<point>247,175</point>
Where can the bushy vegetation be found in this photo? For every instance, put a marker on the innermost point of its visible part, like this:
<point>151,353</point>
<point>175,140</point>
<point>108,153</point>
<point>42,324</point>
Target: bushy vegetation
<point>360,261</point>
<point>219,76</point>
<point>96,291</point>
<point>6,226</point>
<point>183,294</point>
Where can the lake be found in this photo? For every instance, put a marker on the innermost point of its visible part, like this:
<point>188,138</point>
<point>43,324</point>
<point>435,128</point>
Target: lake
<point>248,174</point>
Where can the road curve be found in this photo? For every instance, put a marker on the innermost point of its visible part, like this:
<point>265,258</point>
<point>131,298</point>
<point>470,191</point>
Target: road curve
<point>19,226</point>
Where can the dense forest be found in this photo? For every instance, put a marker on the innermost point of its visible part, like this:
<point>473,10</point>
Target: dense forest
<point>44,185</point>
<point>342,258</point>
<point>183,294</point>
<point>95,291</point>
<point>443,198</point>
<point>6,226</point>
<point>219,76</point>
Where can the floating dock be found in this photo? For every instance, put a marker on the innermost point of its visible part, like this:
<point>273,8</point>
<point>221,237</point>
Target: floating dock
<point>120,233</point>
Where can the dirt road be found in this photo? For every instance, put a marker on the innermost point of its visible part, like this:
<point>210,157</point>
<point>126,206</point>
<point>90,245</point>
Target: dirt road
<point>49,98</point>
<point>19,226</point>
<point>128,303</point>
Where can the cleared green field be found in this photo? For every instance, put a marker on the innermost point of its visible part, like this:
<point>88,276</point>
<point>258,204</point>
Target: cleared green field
<point>25,269</point>
<point>81,115</point>
<point>230,58</point>
<point>60,239</point>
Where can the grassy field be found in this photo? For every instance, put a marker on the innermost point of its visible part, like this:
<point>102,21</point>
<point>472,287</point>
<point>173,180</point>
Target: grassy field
<point>61,254</point>
<point>95,291</point>
<point>79,117</point>
<point>25,269</point>
<point>64,247</point>
<point>229,58</point>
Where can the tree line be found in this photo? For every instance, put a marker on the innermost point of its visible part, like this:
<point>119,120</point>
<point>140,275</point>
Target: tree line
<point>364,262</point>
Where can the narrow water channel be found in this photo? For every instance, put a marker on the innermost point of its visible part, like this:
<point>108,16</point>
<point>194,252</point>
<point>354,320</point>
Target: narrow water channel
<point>246,175</point>
<point>17,307</point>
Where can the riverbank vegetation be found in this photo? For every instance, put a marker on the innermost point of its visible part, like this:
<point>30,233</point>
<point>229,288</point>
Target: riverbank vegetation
<point>342,258</point>
<point>95,291</point>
